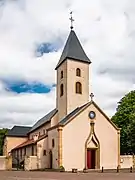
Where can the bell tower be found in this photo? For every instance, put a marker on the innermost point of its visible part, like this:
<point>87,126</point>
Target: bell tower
<point>72,76</point>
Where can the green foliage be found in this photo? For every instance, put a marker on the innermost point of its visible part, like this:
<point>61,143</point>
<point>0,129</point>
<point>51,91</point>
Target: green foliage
<point>124,118</point>
<point>62,169</point>
<point>2,135</point>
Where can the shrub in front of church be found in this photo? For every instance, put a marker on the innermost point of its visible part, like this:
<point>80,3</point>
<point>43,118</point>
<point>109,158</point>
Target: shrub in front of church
<point>62,169</point>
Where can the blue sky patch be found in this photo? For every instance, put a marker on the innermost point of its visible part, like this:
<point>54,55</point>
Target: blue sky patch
<point>44,48</point>
<point>47,47</point>
<point>23,87</point>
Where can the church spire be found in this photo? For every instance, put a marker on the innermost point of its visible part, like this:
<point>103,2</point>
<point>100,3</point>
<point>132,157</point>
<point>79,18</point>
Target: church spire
<point>73,50</point>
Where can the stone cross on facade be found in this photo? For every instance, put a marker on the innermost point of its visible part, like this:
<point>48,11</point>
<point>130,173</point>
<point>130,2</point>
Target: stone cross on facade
<point>71,19</point>
<point>91,96</point>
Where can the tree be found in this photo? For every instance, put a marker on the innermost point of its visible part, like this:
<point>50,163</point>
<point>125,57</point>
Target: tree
<point>2,135</point>
<point>124,118</point>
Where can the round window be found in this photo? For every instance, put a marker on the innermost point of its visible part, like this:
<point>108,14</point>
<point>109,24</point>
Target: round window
<point>92,114</point>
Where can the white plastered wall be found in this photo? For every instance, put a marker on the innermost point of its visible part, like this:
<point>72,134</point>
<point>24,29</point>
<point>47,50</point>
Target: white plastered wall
<point>74,137</point>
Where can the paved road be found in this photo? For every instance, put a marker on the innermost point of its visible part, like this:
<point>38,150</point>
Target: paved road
<point>23,175</point>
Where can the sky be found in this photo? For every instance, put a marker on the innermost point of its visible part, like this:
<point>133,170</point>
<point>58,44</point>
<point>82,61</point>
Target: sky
<point>32,37</point>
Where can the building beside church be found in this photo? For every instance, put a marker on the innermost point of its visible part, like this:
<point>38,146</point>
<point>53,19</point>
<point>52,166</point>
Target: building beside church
<point>77,133</point>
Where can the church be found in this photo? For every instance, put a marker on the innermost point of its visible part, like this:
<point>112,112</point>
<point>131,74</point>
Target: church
<point>77,133</point>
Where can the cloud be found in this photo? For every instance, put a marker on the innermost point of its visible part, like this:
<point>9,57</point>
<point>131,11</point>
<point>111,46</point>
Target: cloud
<point>25,108</point>
<point>106,31</point>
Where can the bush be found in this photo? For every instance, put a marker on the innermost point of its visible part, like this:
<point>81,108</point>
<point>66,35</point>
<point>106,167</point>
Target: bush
<point>62,169</point>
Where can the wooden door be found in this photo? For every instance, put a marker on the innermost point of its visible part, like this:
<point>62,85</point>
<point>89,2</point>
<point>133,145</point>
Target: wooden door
<point>89,159</point>
<point>93,158</point>
<point>51,159</point>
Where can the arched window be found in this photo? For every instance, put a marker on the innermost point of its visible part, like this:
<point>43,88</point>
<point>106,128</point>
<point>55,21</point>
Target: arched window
<point>53,144</point>
<point>61,76</point>
<point>61,90</point>
<point>78,88</point>
<point>78,72</point>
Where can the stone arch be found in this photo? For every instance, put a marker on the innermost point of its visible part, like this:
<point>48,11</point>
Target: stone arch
<point>92,144</point>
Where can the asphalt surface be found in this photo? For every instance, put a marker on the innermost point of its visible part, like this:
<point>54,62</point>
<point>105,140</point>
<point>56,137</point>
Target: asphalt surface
<point>25,175</point>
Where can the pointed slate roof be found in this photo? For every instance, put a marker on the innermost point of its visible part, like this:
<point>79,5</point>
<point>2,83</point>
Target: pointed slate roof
<point>73,50</point>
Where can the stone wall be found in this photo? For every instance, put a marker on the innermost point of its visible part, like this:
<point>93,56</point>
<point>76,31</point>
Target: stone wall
<point>3,162</point>
<point>30,163</point>
<point>127,161</point>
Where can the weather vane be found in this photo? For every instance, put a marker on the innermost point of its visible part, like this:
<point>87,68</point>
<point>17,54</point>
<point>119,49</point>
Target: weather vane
<point>71,19</point>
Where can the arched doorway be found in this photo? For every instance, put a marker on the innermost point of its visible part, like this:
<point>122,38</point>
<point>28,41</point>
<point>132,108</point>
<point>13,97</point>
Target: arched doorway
<point>51,159</point>
<point>92,150</point>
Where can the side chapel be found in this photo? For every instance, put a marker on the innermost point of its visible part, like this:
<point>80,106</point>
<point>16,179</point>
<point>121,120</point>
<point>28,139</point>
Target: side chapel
<point>77,133</point>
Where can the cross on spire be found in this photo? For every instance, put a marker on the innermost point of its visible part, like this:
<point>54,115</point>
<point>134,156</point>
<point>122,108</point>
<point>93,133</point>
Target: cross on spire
<point>91,96</point>
<point>71,19</point>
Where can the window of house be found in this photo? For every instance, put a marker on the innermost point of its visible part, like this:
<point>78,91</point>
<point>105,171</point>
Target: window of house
<point>61,90</point>
<point>61,75</point>
<point>78,88</point>
<point>13,153</point>
<point>36,151</point>
<point>32,150</point>
<point>78,72</point>
<point>44,131</point>
<point>24,151</point>
<point>21,153</point>
<point>53,144</point>
<point>17,152</point>
<point>44,152</point>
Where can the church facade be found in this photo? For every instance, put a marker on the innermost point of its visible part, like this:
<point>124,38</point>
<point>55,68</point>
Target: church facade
<point>77,133</point>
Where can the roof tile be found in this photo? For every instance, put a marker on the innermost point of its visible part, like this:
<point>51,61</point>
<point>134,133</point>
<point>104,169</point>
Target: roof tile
<point>44,120</point>
<point>74,112</point>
